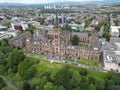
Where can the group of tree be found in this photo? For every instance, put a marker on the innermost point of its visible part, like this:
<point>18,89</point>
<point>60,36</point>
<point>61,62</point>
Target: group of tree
<point>78,22</point>
<point>13,61</point>
<point>40,20</point>
<point>106,33</point>
<point>2,84</point>
<point>97,27</point>
<point>66,28</point>
<point>75,40</point>
<point>31,28</point>
<point>65,79</point>
<point>7,24</point>
<point>117,22</point>
<point>88,21</point>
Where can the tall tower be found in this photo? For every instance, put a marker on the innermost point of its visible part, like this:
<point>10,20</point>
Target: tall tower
<point>56,37</point>
<point>62,18</point>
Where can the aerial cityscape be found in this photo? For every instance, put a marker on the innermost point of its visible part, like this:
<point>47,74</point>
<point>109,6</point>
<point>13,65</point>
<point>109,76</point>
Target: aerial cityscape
<point>60,45</point>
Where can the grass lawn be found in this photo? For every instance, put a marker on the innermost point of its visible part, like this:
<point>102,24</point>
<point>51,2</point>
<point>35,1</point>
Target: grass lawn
<point>84,61</point>
<point>69,59</point>
<point>39,54</point>
<point>83,45</point>
<point>47,66</point>
<point>88,62</point>
<point>44,65</point>
<point>96,74</point>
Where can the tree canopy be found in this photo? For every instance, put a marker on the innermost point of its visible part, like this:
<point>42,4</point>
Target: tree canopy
<point>75,40</point>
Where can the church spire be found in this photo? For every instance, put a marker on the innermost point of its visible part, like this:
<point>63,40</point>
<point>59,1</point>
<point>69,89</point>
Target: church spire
<point>56,21</point>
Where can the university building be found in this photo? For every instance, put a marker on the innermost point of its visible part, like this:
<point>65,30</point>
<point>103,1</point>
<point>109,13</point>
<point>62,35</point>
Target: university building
<point>59,42</point>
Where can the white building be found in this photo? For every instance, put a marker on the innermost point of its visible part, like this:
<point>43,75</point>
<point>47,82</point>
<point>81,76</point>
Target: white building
<point>24,25</point>
<point>115,31</point>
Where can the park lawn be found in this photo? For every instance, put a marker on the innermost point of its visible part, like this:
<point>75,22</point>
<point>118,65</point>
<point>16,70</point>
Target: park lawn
<point>83,45</point>
<point>43,65</point>
<point>38,54</point>
<point>92,73</point>
<point>69,59</point>
<point>47,66</point>
<point>84,61</point>
<point>96,74</point>
<point>88,62</point>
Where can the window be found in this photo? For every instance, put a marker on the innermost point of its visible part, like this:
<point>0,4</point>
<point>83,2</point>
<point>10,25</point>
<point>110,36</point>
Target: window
<point>56,36</point>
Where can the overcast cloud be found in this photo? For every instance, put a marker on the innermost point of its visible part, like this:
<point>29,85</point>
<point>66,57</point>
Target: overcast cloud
<point>39,1</point>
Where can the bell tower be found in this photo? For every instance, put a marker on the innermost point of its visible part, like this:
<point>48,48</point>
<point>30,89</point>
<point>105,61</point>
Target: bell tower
<point>56,37</point>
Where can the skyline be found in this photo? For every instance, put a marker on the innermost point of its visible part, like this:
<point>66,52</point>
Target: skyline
<point>40,1</point>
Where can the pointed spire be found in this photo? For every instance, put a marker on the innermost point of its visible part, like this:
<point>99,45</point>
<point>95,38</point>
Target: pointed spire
<point>56,22</point>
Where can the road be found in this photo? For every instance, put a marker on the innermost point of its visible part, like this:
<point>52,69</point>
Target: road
<point>9,84</point>
<point>68,62</point>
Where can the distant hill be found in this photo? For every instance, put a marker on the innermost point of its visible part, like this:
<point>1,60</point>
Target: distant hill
<point>63,3</point>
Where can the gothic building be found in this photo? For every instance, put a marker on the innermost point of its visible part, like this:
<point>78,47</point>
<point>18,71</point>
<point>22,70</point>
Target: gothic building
<point>59,42</point>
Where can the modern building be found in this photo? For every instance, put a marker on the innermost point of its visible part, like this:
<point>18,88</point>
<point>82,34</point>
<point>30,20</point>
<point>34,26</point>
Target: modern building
<point>77,26</point>
<point>115,31</point>
<point>19,26</point>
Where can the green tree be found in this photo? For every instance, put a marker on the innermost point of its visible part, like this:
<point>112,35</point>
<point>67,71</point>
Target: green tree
<point>92,87</point>
<point>114,87</point>
<point>78,22</point>
<point>61,88</point>
<point>67,28</point>
<point>40,20</point>
<point>116,22</point>
<point>63,77</point>
<point>14,58</point>
<point>43,82</point>
<point>100,84</point>
<point>106,35</point>
<point>31,28</point>
<point>23,69</point>
<point>83,72</point>
<point>48,86</point>
<point>76,77</point>
<point>75,40</point>
<point>2,83</point>
<point>7,24</point>
<point>84,83</point>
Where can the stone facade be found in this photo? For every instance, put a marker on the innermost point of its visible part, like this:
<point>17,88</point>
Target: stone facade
<point>59,43</point>
<point>19,41</point>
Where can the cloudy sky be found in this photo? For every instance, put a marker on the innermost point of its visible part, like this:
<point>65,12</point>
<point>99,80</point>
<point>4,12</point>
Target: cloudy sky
<point>39,1</point>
